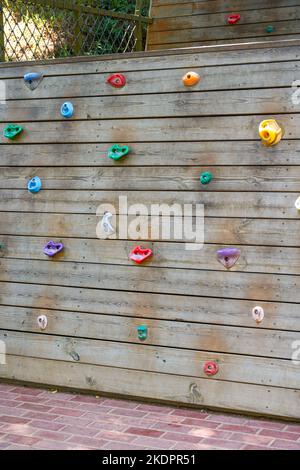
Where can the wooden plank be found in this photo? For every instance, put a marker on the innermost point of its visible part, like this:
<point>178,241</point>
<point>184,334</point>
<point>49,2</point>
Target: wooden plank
<point>155,178</point>
<point>214,153</point>
<point>261,75</point>
<point>228,231</point>
<point>273,101</point>
<point>149,130</point>
<point>253,259</point>
<point>29,297</point>
<point>202,337</point>
<point>189,390</point>
<point>217,204</point>
<point>256,370</point>
<point>235,285</point>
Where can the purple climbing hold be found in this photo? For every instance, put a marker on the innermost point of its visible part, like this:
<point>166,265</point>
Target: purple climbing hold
<point>228,256</point>
<point>51,248</point>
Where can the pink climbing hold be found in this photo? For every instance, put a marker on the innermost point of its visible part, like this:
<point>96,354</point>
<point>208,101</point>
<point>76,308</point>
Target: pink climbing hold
<point>139,254</point>
<point>210,368</point>
<point>233,18</point>
<point>42,322</point>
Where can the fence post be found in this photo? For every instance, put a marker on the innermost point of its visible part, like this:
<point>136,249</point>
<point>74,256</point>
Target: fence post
<point>2,42</point>
<point>78,26</point>
<point>138,27</point>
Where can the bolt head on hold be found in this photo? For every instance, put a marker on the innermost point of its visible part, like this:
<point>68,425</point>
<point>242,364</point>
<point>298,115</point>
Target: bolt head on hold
<point>206,177</point>
<point>142,331</point>
<point>210,368</point>
<point>270,132</point>
<point>258,314</point>
<point>191,79</point>
<point>228,256</point>
<point>116,80</point>
<point>67,109</point>
<point>51,248</point>
<point>233,18</point>
<point>117,151</point>
<point>34,185</point>
<point>33,79</point>
<point>139,254</point>
<point>12,130</point>
<point>42,322</point>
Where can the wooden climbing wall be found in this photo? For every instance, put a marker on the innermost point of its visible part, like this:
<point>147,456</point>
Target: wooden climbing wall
<point>195,310</point>
<point>183,23</point>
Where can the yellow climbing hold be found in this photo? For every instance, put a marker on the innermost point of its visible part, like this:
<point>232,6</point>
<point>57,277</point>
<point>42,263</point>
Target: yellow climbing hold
<point>270,132</point>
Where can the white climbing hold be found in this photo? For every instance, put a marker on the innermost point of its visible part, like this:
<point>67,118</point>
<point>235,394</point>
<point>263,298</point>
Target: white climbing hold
<point>258,314</point>
<point>106,225</point>
<point>42,322</point>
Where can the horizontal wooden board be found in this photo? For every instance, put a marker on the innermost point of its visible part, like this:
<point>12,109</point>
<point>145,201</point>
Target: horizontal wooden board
<point>152,358</point>
<point>263,101</point>
<point>204,337</point>
<point>171,388</point>
<point>227,178</point>
<point>148,130</point>
<point>212,153</point>
<point>258,259</point>
<point>278,316</point>
<point>250,76</point>
<point>250,286</point>
<point>216,204</point>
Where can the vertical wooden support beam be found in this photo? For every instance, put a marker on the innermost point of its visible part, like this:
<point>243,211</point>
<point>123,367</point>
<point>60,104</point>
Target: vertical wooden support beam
<point>138,27</point>
<point>2,42</point>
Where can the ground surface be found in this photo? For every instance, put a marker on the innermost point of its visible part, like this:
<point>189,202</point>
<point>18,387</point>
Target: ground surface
<point>32,418</point>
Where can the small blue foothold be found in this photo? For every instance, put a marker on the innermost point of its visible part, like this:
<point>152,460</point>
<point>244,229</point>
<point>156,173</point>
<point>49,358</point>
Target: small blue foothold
<point>67,110</point>
<point>33,79</point>
<point>34,185</point>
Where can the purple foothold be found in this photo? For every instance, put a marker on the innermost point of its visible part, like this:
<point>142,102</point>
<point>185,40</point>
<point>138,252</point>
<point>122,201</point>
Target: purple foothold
<point>51,248</point>
<point>228,256</point>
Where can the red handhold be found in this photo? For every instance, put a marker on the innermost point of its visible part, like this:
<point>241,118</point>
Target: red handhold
<point>117,80</point>
<point>234,18</point>
<point>210,368</point>
<point>139,254</point>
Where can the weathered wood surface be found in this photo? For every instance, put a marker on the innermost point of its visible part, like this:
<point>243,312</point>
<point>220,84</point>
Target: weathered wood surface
<point>183,154</point>
<point>165,360</point>
<point>260,259</point>
<point>272,401</point>
<point>236,285</point>
<point>279,316</point>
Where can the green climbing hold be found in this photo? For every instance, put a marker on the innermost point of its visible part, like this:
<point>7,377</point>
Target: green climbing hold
<point>206,177</point>
<point>12,130</point>
<point>142,332</point>
<point>270,29</point>
<point>117,151</point>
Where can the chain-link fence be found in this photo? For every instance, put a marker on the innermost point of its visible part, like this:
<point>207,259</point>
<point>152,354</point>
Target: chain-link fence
<point>45,29</point>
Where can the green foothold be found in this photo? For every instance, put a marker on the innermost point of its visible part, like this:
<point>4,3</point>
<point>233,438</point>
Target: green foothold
<point>206,177</point>
<point>12,130</point>
<point>270,29</point>
<point>117,151</point>
<point>142,332</point>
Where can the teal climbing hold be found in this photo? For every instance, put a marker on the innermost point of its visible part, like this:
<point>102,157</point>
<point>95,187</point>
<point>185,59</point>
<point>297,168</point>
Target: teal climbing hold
<point>117,151</point>
<point>12,130</point>
<point>206,177</point>
<point>270,28</point>
<point>142,332</point>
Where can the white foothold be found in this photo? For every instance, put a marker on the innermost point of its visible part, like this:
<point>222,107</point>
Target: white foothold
<point>42,322</point>
<point>258,314</point>
<point>106,225</point>
<point>297,203</point>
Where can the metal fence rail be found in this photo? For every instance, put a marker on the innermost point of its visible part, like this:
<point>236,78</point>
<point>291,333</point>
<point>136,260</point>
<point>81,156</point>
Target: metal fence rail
<point>45,29</point>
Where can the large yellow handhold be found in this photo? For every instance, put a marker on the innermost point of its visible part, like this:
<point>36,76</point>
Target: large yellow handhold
<point>270,132</point>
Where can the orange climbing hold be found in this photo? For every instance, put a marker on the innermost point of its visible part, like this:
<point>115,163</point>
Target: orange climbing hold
<point>191,79</point>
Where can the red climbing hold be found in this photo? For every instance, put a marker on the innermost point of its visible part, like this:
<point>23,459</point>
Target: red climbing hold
<point>139,254</point>
<point>117,80</point>
<point>210,368</point>
<point>232,19</point>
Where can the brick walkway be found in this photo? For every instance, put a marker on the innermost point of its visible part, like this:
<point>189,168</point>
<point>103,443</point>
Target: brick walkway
<point>32,418</point>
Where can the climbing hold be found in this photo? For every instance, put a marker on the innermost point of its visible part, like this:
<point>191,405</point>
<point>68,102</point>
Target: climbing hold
<point>2,246</point>
<point>142,332</point>
<point>117,151</point>
<point>206,177</point>
<point>12,130</point>
<point>210,368</point>
<point>234,18</point>
<point>67,109</point>
<point>139,254</point>
<point>270,29</point>
<point>106,225</point>
<point>228,256</point>
<point>33,79</point>
<point>258,314</point>
<point>191,79</point>
<point>117,80</point>
<point>34,185</point>
<point>51,248</point>
<point>297,203</point>
<point>270,132</point>
<point>42,322</point>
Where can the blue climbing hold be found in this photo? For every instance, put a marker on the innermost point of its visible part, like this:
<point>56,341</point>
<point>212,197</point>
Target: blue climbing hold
<point>33,79</point>
<point>34,185</point>
<point>67,110</point>
<point>142,331</point>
